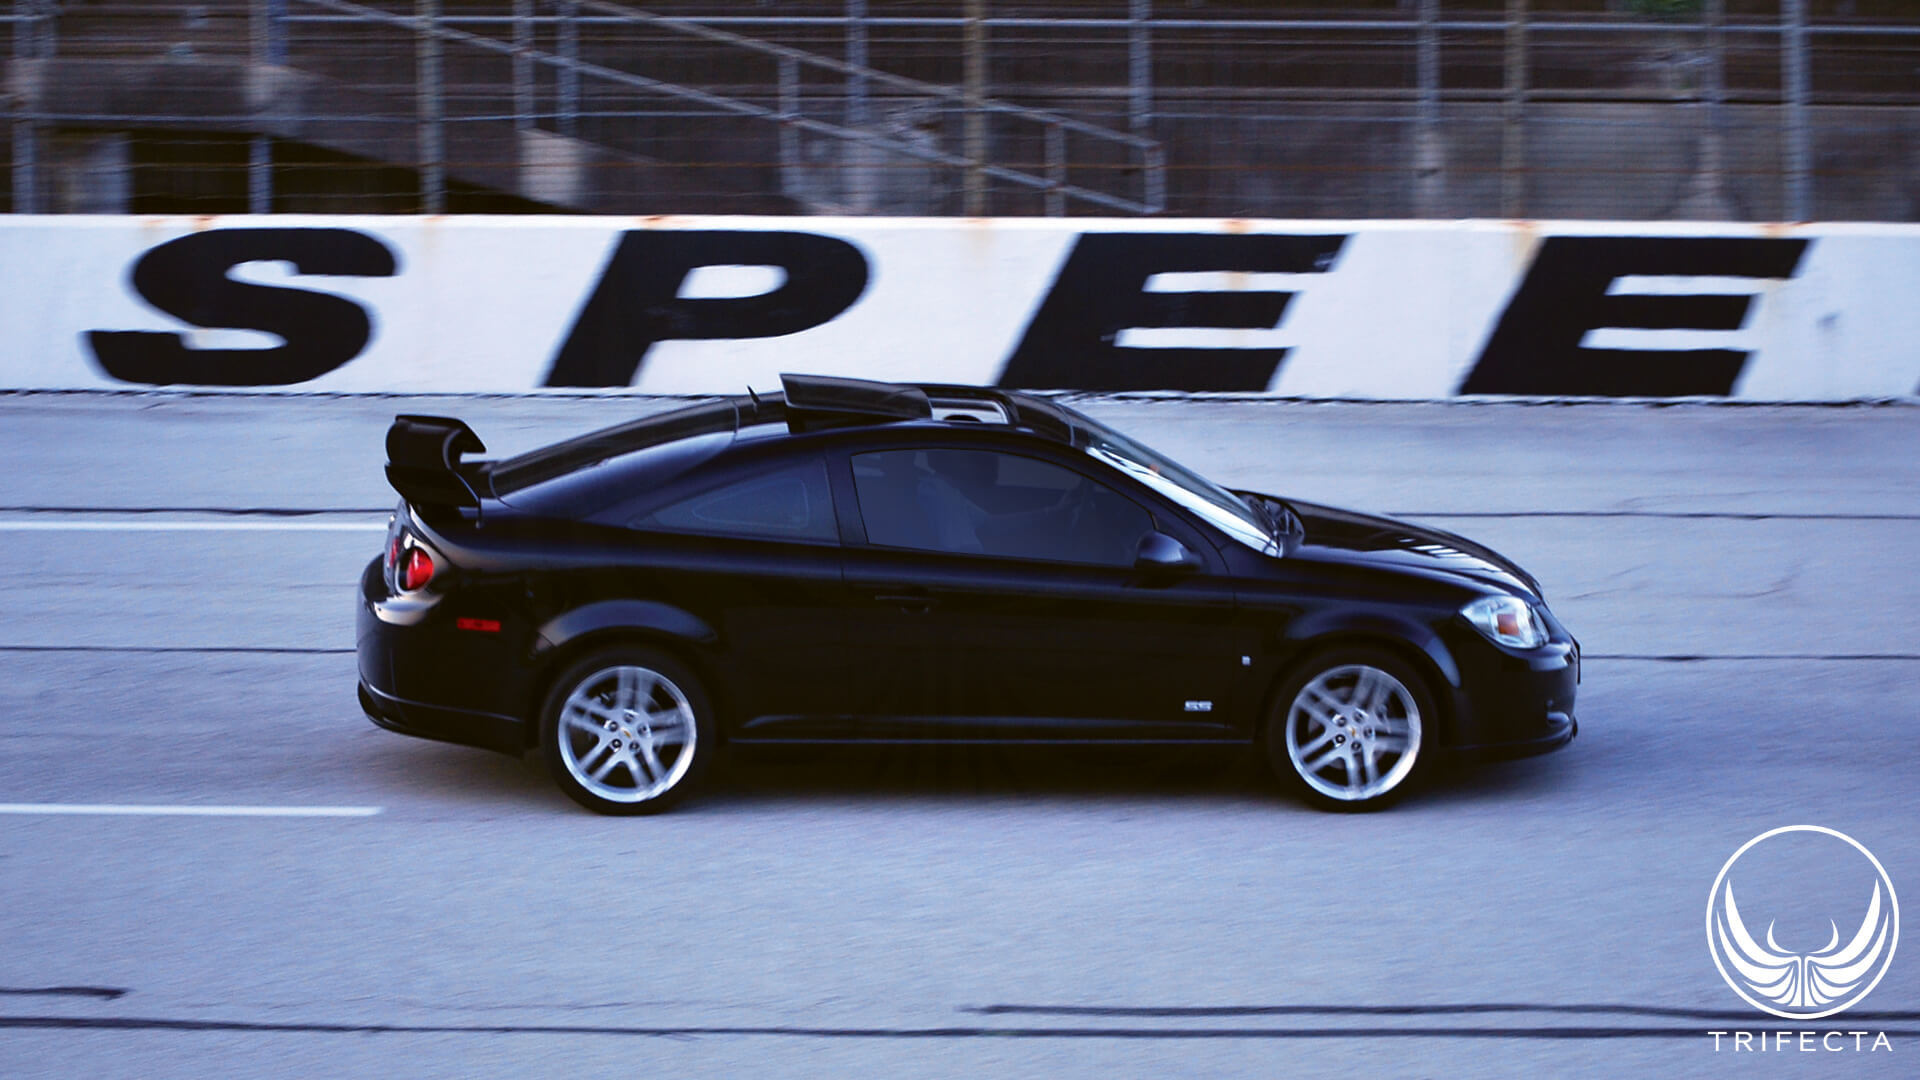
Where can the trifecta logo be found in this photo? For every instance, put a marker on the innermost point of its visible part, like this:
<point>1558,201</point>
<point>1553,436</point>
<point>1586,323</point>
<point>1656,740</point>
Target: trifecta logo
<point>1774,928</point>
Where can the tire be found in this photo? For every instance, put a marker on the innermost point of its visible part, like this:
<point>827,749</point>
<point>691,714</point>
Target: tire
<point>627,730</point>
<point>1353,729</point>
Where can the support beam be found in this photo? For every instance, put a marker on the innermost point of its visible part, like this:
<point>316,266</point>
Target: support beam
<point>569,74</point>
<point>1798,137</point>
<point>1707,198</point>
<point>260,175</point>
<point>523,64</point>
<point>28,39</point>
<point>1140,69</point>
<point>789,112</point>
<point>273,31</point>
<point>1513,116</point>
<point>975,48</point>
<point>428,92</point>
<point>857,63</point>
<point>1429,157</point>
<point>1056,171</point>
<point>858,157</point>
<point>268,44</point>
<point>26,141</point>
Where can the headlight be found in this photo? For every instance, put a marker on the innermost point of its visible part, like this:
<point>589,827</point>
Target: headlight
<point>1507,620</point>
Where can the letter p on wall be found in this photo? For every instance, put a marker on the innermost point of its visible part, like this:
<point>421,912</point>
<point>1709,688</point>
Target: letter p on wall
<point>641,298</point>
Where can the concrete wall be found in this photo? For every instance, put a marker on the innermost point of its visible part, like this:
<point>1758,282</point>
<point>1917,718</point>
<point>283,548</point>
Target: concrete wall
<point>1352,309</point>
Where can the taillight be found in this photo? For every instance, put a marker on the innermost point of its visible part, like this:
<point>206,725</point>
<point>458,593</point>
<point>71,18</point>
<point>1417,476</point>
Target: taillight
<point>393,552</point>
<point>417,570</point>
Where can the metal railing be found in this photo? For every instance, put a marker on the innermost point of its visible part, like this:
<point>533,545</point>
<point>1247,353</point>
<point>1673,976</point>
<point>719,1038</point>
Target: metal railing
<point>1429,108</point>
<point>432,26</point>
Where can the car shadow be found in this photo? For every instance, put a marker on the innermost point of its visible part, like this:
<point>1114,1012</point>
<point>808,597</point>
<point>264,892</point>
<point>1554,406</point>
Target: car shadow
<point>750,776</point>
<point>760,774</point>
<point>1542,776</point>
<point>417,770</point>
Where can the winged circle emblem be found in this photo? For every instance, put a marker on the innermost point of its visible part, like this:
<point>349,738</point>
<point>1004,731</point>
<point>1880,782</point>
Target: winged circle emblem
<point>1802,985</point>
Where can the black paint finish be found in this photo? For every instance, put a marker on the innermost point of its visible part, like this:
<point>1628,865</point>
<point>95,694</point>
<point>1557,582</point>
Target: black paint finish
<point>811,639</point>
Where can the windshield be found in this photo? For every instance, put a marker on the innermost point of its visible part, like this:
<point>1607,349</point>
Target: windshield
<point>1220,507</point>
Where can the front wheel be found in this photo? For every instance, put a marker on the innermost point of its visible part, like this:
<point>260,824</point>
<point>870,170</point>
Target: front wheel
<point>1352,729</point>
<point>627,731</point>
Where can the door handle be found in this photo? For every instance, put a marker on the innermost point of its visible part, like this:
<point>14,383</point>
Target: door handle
<point>909,601</point>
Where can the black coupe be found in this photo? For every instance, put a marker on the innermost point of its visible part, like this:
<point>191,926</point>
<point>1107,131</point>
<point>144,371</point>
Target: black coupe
<point>856,561</point>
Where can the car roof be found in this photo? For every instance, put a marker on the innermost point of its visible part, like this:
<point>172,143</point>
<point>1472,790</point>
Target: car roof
<point>806,405</point>
<point>576,477</point>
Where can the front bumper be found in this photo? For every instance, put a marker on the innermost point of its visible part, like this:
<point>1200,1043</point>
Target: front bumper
<point>1561,730</point>
<point>1513,703</point>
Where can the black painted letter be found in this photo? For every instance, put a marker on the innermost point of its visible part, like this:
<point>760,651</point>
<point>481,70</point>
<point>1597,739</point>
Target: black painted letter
<point>1101,291</point>
<point>1536,348</point>
<point>637,301</point>
<point>187,279</point>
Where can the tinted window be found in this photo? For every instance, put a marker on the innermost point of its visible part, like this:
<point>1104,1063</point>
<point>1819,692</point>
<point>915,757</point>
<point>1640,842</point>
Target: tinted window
<point>584,490</point>
<point>792,503</point>
<point>982,502</point>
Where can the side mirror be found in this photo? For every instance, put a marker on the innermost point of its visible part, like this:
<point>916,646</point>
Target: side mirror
<point>1159,553</point>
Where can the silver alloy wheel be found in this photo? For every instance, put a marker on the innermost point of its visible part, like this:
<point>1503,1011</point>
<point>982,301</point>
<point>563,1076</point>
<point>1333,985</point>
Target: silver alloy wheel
<point>627,734</point>
<point>1353,733</point>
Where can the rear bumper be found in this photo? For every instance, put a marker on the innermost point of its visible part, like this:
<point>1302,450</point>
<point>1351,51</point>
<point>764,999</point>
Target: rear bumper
<point>463,678</point>
<point>485,730</point>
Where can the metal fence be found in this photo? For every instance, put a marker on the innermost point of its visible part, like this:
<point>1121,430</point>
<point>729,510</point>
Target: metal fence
<point>1719,109</point>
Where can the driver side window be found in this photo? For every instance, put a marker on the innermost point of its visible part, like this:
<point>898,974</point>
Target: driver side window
<point>985,502</point>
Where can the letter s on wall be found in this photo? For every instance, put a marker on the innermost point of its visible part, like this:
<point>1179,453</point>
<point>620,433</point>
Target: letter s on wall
<point>188,279</point>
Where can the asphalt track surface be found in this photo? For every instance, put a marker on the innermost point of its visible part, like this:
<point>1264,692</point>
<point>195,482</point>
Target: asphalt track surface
<point>177,595</point>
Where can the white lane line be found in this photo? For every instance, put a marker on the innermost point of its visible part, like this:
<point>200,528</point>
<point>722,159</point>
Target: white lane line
<point>132,810</point>
<point>83,525</point>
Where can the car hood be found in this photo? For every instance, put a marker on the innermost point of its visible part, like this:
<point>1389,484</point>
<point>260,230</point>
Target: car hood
<point>1347,536</point>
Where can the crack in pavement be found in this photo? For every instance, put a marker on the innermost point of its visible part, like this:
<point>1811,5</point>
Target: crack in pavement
<point>1443,1009</point>
<point>140,1023</point>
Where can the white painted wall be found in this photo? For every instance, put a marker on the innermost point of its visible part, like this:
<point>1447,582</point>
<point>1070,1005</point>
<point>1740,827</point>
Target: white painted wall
<point>1405,310</point>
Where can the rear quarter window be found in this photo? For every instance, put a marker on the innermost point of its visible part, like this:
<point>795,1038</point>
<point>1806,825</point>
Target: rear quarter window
<point>791,502</point>
<point>589,487</point>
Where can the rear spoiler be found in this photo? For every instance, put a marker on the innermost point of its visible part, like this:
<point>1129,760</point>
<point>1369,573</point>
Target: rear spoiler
<point>423,460</point>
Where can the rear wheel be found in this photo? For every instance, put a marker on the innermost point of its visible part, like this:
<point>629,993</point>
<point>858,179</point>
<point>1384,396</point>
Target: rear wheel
<point>627,731</point>
<point>1351,729</point>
